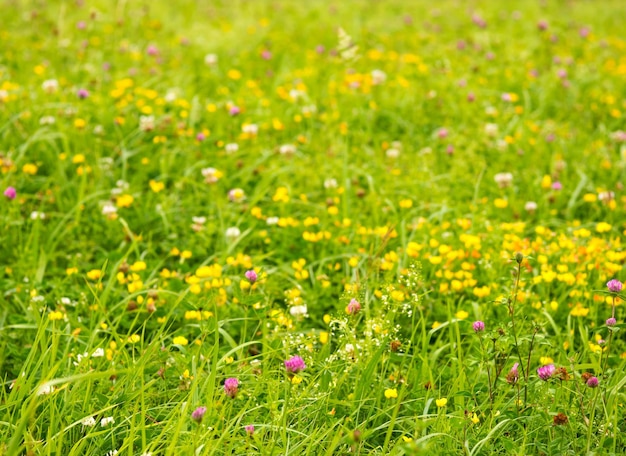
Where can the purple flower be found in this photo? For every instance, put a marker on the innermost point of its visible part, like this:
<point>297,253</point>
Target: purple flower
<point>198,414</point>
<point>295,364</point>
<point>231,386</point>
<point>251,275</point>
<point>152,50</point>
<point>353,307</point>
<point>200,137</point>
<point>592,382</point>
<point>10,193</point>
<point>234,110</point>
<point>611,321</point>
<point>478,326</point>
<point>557,186</point>
<point>513,376</point>
<point>82,93</point>
<point>249,429</point>
<point>545,372</point>
<point>614,286</point>
<point>266,55</point>
<point>542,25</point>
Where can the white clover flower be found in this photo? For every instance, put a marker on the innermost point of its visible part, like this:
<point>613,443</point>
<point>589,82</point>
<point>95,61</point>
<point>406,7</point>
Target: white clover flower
<point>210,59</point>
<point>37,215</point>
<point>50,85</point>
<point>503,179</point>
<point>330,183</point>
<point>231,148</point>
<point>146,123</point>
<point>298,311</point>
<point>250,129</point>
<point>392,152</point>
<point>491,129</point>
<point>233,233</point>
<point>88,421</point>
<point>272,220</point>
<point>108,208</point>
<point>47,120</point>
<point>378,77</point>
<point>287,149</point>
<point>98,353</point>
<point>530,206</point>
<point>104,422</point>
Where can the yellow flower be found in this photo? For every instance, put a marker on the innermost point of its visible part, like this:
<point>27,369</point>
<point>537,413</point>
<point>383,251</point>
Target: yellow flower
<point>391,393</point>
<point>134,338</point>
<point>30,168</point>
<point>180,340</point>
<point>124,200</point>
<point>296,379</point>
<point>475,418</point>
<point>55,315</point>
<point>500,203</point>
<point>544,360</point>
<point>156,187</point>
<point>94,274</point>
<point>461,315</point>
<point>441,402</point>
<point>138,266</point>
<point>603,227</point>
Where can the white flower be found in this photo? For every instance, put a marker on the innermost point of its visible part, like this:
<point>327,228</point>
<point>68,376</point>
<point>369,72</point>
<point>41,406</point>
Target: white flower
<point>170,96</point>
<point>330,183</point>
<point>199,220</point>
<point>296,94</point>
<point>98,130</point>
<point>503,179</point>
<point>298,311</point>
<point>146,123</point>
<point>88,421</point>
<point>104,422</point>
<point>211,175</point>
<point>491,111</point>
<point>530,206</point>
<point>491,129</point>
<point>111,453</point>
<point>50,85</point>
<point>4,95</point>
<point>272,220</point>
<point>233,233</point>
<point>37,215</point>
<point>47,120</point>
<point>349,349</point>
<point>392,152</point>
<point>606,196</point>
<point>287,149</point>
<point>98,353</point>
<point>210,59</point>
<point>250,129</point>
<point>231,148</point>
<point>378,77</point>
<point>108,208</point>
<point>46,388</point>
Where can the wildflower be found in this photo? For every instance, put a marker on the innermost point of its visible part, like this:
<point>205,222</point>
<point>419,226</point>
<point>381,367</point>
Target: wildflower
<point>180,340</point>
<point>503,179</point>
<point>391,393</point>
<point>442,402</point>
<point>560,419</point>
<point>210,59</point>
<point>353,307</point>
<point>236,195</point>
<point>614,286</point>
<point>88,421</point>
<point>234,110</point>
<point>231,386</point>
<point>287,149</point>
<point>513,376</point>
<point>557,186</point>
<point>251,275</point>
<point>545,372</point>
<point>198,414</point>
<point>249,429</point>
<point>50,85</point>
<point>44,389</point>
<point>211,175</point>
<point>298,311</point>
<point>104,422</point>
<point>82,93</point>
<point>146,123</point>
<point>611,321</point>
<point>478,326</point>
<point>295,364</point>
<point>10,193</point>
<point>530,206</point>
<point>233,233</point>
<point>378,77</point>
<point>592,382</point>
<point>231,148</point>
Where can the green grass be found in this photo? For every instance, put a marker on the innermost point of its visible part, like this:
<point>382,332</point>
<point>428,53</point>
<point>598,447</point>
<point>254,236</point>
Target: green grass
<point>347,151</point>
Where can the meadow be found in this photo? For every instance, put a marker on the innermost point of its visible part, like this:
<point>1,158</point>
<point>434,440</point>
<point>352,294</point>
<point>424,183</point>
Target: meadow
<point>318,228</point>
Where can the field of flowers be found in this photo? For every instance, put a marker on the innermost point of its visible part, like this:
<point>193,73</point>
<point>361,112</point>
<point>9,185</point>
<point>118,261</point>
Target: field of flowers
<point>315,228</point>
